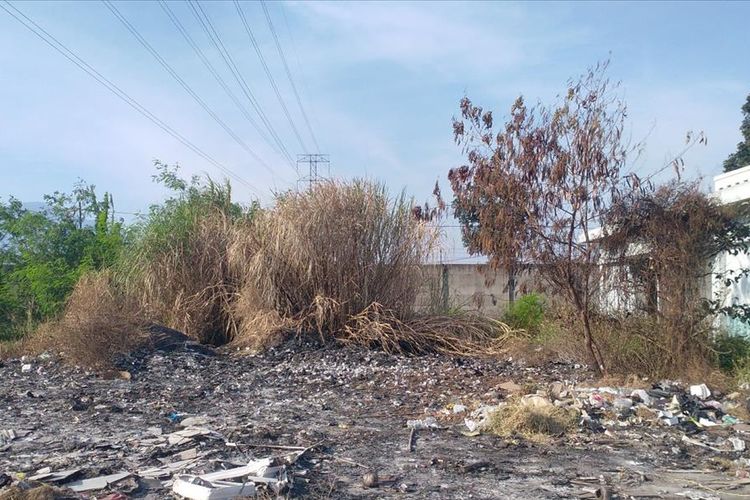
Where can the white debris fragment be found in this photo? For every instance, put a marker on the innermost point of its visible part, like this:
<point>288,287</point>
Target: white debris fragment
<point>216,485</point>
<point>459,408</point>
<point>425,423</point>
<point>7,435</point>
<point>642,395</point>
<point>185,435</point>
<point>472,425</point>
<point>96,483</point>
<point>25,368</point>
<point>701,391</point>
<point>193,422</point>
<point>737,443</point>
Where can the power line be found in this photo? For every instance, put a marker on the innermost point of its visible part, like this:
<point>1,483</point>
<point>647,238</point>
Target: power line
<point>53,42</point>
<point>289,74</point>
<point>300,69</point>
<point>268,73</point>
<point>183,31</point>
<point>215,39</point>
<point>184,85</point>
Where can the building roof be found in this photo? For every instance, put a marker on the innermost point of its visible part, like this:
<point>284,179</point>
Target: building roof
<point>733,186</point>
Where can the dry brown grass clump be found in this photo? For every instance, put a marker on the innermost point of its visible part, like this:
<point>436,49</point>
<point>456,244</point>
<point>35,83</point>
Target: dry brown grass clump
<point>341,261</point>
<point>182,281</point>
<point>98,324</point>
<point>454,335</point>
<point>43,492</point>
<point>322,259</point>
<point>531,419</point>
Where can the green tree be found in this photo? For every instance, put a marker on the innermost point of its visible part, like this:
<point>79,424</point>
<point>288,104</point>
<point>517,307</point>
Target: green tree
<point>43,253</point>
<point>741,157</point>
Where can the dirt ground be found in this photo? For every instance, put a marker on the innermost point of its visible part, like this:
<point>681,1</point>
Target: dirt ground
<point>349,406</point>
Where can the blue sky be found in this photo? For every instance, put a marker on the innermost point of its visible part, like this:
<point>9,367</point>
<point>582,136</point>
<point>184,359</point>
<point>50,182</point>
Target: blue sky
<point>379,81</point>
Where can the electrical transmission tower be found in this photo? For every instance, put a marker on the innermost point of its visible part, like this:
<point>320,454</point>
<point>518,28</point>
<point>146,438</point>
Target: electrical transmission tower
<point>315,163</point>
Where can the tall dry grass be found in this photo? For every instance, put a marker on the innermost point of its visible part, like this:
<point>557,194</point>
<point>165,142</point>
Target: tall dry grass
<point>184,282</point>
<point>341,261</point>
<point>321,257</point>
<point>98,324</point>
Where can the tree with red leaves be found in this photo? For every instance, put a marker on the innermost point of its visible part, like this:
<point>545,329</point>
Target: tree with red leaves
<point>538,186</point>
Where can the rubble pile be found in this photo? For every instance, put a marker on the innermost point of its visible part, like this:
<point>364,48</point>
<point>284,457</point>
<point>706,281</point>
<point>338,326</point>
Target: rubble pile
<point>311,421</point>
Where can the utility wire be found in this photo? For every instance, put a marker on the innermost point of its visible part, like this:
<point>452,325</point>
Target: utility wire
<point>300,70</point>
<point>216,41</point>
<point>268,73</point>
<point>184,85</point>
<point>186,35</point>
<point>53,42</point>
<point>289,74</point>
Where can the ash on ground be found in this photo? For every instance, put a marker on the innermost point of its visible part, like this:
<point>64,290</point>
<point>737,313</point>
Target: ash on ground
<point>360,424</point>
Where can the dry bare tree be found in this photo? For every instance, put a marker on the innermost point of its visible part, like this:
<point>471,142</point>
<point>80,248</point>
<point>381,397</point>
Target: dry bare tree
<point>664,241</point>
<point>537,187</point>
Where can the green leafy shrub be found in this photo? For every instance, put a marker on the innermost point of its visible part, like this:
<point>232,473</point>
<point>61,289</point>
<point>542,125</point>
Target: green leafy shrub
<point>177,267</point>
<point>44,252</point>
<point>731,351</point>
<point>526,313</point>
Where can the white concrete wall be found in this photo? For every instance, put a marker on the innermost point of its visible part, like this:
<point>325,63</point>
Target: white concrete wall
<point>732,187</point>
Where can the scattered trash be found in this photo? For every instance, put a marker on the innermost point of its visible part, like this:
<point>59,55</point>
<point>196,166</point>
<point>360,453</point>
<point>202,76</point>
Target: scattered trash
<point>701,391</point>
<point>25,368</point>
<point>180,416</point>
<point>6,436</point>
<point>96,483</point>
<point>216,485</point>
<point>737,443</point>
<point>426,423</point>
<point>370,480</point>
<point>459,408</point>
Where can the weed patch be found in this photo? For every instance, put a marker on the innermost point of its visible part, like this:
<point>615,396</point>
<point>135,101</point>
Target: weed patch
<point>528,418</point>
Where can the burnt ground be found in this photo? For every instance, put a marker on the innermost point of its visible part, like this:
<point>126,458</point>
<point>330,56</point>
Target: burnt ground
<point>352,405</point>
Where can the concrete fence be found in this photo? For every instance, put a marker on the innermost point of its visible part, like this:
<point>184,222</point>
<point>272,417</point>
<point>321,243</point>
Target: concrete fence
<point>471,287</point>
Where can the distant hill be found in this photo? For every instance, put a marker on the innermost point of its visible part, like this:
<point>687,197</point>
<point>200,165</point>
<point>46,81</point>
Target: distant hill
<point>34,206</point>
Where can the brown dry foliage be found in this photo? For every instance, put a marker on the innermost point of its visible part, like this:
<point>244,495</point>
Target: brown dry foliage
<point>322,257</point>
<point>43,492</point>
<point>663,244</point>
<point>454,335</point>
<point>534,189</point>
<point>187,286</point>
<point>341,261</point>
<point>533,422</point>
<point>97,325</point>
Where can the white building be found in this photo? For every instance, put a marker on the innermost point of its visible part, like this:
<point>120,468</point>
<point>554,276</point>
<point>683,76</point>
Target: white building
<point>733,187</point>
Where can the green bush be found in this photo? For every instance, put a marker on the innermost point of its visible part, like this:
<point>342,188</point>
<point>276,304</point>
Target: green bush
<point>44,252</point>
<point>732,352</point>
<point>526,313</point>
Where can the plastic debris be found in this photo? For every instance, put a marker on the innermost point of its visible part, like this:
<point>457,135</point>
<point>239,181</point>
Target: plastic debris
<point>217,485</point>
<point>729,420</point>
<point>641,395</point>
<point>596,400</point>
<point>737,443</point>
<point>25,368</point>
<point>96,483</point>
<point>701,391</point>
<point>622,405</point>
<point>7,435</point>
<point>426,423</point>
